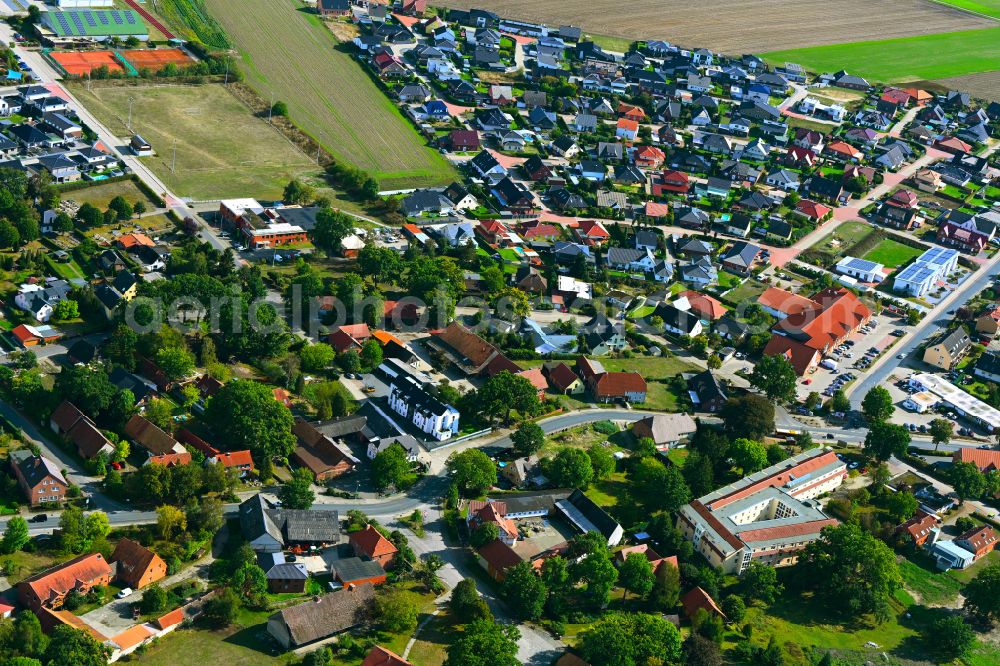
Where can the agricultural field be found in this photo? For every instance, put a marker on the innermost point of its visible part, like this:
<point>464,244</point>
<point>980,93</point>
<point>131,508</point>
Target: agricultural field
<point>222,149</point>
<point>988,7</point>
<point>736,27</point>
<point>192,21</point>
<point>936,56</point>
<point>289,55</point>
<point>985,85</point>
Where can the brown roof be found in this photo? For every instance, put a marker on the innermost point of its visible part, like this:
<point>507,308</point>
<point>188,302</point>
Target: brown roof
<point>133,559</point>
<point>62,578</point>
<point>88,439</point>
<point>66,415</point>
<point>149,436</point>
<point>841,312</point>
<point>535,376</point>
<point>499,555</point>
<point>777,479</point>
<point>371,542</point>
<point>379,656</point>
<point>984,459</point>
<point>185,436</point>
<point>919,525</point>
<point>328,615</point>
<point>319,452</point>
<point>699,598</point>
<point>561,376</point>
<point>798,354</point>
<point>619,383</point>
<point>50,619</point>
<point>979,537</point>
<point>784,531</point>
<point>467,343</point>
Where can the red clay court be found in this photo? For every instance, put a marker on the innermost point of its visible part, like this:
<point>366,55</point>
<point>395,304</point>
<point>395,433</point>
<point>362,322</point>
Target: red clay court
<point>156,58</point>
<point>81,63</point>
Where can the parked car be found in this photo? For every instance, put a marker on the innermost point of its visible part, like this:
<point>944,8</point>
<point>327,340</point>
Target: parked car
<point>40,518</point>
<point>124,592</point>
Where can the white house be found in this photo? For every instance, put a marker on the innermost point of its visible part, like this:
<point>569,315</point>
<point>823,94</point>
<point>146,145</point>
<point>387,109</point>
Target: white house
<point>40,299</point>
<point>933,265</point>
<point>410,400</point>
<point>863,270</point>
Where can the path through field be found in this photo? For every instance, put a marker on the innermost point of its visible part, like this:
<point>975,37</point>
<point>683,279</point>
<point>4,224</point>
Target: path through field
<point>289,55</point>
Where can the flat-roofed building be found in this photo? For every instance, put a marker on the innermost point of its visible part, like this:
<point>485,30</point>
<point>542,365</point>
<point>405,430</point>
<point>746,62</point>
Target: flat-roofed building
<point>766,517</point>
<point>963,403</point>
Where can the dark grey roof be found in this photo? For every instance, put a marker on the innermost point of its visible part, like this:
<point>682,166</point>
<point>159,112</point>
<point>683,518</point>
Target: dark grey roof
<point>299,525</point>
<point>707,386</point>
<point>255,520</point>
<point>351,569</point>
<point>597,516</point>
<point>35,468</point>
<point>287,571</point>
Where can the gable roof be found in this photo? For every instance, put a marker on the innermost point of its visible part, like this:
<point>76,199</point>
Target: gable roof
<point>148,435</point>
<point>379,656</point>
<point>35,468</point>
<point>699,598</point>
<point>328,615</point>
<point>60,579</point>
<point>133,559</point>
<point>371,542</point>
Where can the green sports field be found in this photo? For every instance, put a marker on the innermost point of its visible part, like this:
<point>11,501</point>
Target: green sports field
<point>986,7</point>
<point>289,55</point>
<point>906,59</point>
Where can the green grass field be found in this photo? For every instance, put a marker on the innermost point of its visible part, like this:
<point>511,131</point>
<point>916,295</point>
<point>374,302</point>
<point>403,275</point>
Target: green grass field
<point>986,7</point>
<point>101,194</point>
<point>223,150</point>
<point>892,253</point>
<point>934,56</point>
<point>288,54</point>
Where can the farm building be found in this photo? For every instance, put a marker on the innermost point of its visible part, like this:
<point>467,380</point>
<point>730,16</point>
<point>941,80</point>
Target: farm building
<point>85,25</point>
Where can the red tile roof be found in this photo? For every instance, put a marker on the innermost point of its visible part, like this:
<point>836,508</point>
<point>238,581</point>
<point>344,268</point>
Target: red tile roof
<point>172,618</point>
<point>379,656</point>
<point>706,306</point>
<point>617,384</point>
<point>562,377</point>
<point>592,229</point>
<point>979,538</point>
<point>699,598</point>
<point>499,555</point>
<point>840,313</point>
<point>984,459</point>
<point>132,636</point>
<point>235,458</point>
<point>626,124</point>
<point>919,525</point>
<point>785,301</point>
<point>813,209</point>
<point>370,542</point>
<point>784,531</point>
<point>535,376</point>
<point>171,459</point>
<point>60,579</point>
<point>657,209</point>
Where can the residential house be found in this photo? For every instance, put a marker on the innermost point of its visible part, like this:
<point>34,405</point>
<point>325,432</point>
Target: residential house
<point>679,321</point>
<point>369,544</point>
<point>75,426</point>
<point>667,431</point>
<point>49,588</point>
<point>269,530</point>
<point>948,350</point>
<point>322,452</point>
<point>627,387</point>
<point>40,479</point>
<point>740,258</point>
<point>137,566</point>
<point>409,398</point>
<point>323,617</point>
<point>707,391</point>
<point>919,527</point>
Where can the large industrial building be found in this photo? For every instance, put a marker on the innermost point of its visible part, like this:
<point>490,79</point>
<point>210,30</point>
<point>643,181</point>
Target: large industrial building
<point>766,517</point>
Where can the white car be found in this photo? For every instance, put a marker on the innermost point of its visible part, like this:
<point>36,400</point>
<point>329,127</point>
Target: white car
<point>900,356</point>
<point>124,593</point>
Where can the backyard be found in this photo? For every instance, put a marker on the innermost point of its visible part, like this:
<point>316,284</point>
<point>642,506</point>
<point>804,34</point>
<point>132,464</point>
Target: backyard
<point>836,244</point>
<point>892,253</point>
<point>208,144</point>
<point>289,55</point>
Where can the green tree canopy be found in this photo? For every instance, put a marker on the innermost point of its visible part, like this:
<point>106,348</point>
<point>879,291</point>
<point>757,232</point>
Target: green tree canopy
<point>885,440</point>
<point>632,639</point>
<point>472,471</point>
<point>528,438</point>
<point>775,377</point>
<point>524,591</point>
<point>485,643</point>
<point>570,468</point>
<point>877,405</point>
<point>245,415</point>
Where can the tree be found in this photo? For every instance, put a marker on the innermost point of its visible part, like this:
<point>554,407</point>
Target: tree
<point>15,536</point>
<point>952,637</point>
<point>332,227</point>
<point>220,610</point>
<point>380,263</point>
<point>941,431</point>
<point>484,534</point>
<point>597,574</point>
<point>570,468</point>
<point>246,416</point>
<point>279,108</point>
<point>296,192</point>
<point>602,460</point>
<point>204,517</point>
<point>699,473</point>
<point>485,643</point>
<point>982,594</point>
<point>466,605</point>
<point>493,279</point>
<point>176,362</point>
<point>885,440</point>
<point>66,310</point>
<point>316,357</point>
<point>472,471</point>
<point>154,599</point>
<point>775,377</point>
<point>122,208</point>
<point>72,538</point>
<point>511,303</point>
<point>390,467</point>
<point>734,608</point>
<point>666,589</point>
<point>524,591</point>
<point>840,402</point>
<point>749,416</point>
<point>776,452</point>
<point>505,392</point>
<point>73,646</point>
<point>760,582</point>
<point>297,493</point>
<point>9,236</point>
<point>371,354</point>
<point>395,611</point>
<point>700,651</point>
<point>170,521</point>
<point>121,346</point>
<point>714,362</point>
<point>528,438</point>
<point>27,637</point>
<point>877,405</point>
<point>636,575</point>
<point>968,481</point>
<point>658,487</point>
<point>160,412</point>
<point>632,639</point>
<point>749,455</point>
<point>901,506</point>
<point>250,582</point>
<point>852,569</point>
<point>138,208</point>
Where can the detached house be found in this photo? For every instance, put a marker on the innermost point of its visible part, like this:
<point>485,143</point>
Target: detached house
<point>138,566</point>
<point>40,479</point>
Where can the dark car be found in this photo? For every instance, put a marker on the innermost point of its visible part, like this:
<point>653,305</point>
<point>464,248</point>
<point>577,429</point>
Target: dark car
<point>40,518</point>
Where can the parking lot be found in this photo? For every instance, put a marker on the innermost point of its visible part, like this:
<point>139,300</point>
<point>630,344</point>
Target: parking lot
<point>849,361</point>
<point>900,390</point>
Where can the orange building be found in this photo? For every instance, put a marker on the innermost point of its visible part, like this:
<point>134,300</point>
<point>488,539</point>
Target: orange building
<point>138,566</point>
<point>49,588</point>
<point>370,544</point>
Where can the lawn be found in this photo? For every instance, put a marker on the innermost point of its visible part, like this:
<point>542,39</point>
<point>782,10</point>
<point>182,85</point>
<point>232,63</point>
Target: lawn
<point>642,311</point>
<point>222,149</point>
<point>892,253</point>
<point>101,194</point>
<point>195,647</point>
<point>748,291</point>
<point>151,225</point>
<point>728,280</point>
<point>649,367</point>
<point>833,245</point>
<point>990,8</point>
<point>933,587</point>
<point>289,55</point>
<point>67,270</point>
<point>429,648</point>
<point>616,44</point>
<point>932,56</point>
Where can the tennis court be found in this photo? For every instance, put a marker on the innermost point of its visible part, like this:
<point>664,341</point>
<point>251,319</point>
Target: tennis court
<point>81,63</point>
<point>156,58</point>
